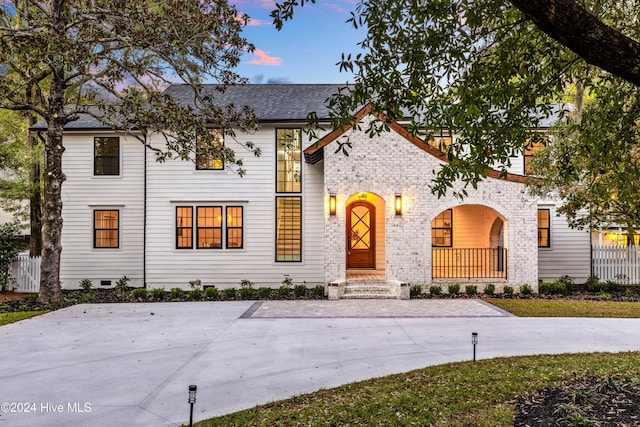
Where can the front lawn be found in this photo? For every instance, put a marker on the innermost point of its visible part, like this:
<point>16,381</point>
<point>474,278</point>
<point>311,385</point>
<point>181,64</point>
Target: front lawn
<point>567,308</point>
<point>6,318</point>
<point>486,393</point>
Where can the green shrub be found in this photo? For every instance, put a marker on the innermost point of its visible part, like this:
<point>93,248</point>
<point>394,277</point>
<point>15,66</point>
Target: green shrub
<point>453,289</point>
<point>86,285</point>
<point>230,293</point>
<point>195,294</point>
<point>287,281</point>
<point>414,291</point>
<point>121,286</point>
<point>544,288</point>
<point>471,289</point>
<point>158,293</point>
<point>568,281</point>
<point>299,290</point>
<point>629,293</point>
<point>284,291</point>
<point>435,290</point>
<point>10,246</point>
<point>264,292</point>
<point>176,293</point>
<point>612,286</point>
<point>139,294</point>
<point>246,289</point>
<point>211,292</point>
<point>593,284</point>
<point>604,295</point>
<point>558,288</point>
<point>318,291</point>
<point>490,289</point>
<point>526,289</point>
<point>507,290</point>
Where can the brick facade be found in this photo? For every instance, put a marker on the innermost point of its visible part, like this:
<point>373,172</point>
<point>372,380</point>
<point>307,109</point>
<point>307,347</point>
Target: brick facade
<point>388,165</point>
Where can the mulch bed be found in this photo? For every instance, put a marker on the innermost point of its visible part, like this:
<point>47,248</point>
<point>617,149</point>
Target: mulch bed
<point>584,402</point>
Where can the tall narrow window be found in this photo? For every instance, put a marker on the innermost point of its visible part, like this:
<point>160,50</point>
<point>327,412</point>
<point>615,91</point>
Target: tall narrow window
<point>441,229</point>
<point>106,156</point>
<point>288,229</point>
<point>289,165</point>
<point>206,156</point>
<point>530,149</point>
<point>544,227</point>
<point>234,227</point>
<point>210,227</point>
<point>106,228</point>
<point>184,227</point>
<point>441,142</point>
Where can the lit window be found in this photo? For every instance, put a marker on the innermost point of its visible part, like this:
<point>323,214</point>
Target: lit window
<point>106,228</point>
<point>207,156</point>
<point>234,227</point>
<point>184,227</point>
<point>288,229</point>
<point>209,227</point>
<point>289,165</point>
<point>544,227</point>
<point>441,142</point>
<point>441,229</point>
<point>531,148</point>
<point>106,156</point>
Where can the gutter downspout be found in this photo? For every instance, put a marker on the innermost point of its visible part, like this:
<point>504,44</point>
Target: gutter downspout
<point>144,224</point>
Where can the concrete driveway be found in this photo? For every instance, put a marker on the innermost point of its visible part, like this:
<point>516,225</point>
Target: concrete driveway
<point>131,364</point>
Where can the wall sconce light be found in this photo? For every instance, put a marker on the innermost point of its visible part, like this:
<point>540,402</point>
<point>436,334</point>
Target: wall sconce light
<point>398,204</point>
<point>332,204</point>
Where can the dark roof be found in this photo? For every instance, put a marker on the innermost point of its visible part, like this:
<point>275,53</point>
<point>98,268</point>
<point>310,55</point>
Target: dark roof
<point>270,103</point>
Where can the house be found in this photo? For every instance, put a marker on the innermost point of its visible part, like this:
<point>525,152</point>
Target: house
<point>302,210</point>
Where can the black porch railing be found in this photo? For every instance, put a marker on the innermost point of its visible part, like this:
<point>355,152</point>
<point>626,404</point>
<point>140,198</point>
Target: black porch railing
<point>469,263</point>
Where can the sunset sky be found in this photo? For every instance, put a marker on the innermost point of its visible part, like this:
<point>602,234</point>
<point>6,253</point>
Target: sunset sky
<point>305,50</point>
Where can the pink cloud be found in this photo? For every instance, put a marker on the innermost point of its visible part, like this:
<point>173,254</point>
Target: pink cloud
<point>257,22</point>
<point>262,58</point>
<point>266,4</point>
<point>335,7</point>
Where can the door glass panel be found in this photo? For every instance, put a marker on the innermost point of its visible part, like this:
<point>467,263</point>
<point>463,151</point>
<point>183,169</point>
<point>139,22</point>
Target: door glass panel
<point>360,228</point>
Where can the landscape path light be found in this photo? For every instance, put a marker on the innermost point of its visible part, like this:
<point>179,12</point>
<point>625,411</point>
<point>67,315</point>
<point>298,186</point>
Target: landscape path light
<point>192,400</point>
<point>474,341</point>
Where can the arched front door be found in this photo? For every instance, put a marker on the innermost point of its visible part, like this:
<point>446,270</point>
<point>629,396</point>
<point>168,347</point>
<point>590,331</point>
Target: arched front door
<point>361,232</point>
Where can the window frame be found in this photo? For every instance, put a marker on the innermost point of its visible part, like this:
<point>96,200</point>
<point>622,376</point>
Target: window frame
<point>299,162</point>
<point>300,234</point>
<point>210,160</point>
<point>178,228</point>
<point>233,227</point>
<point>96,229</point>
<point>547,228</point>
<point>529,150</point>
<point>450,228</point>
<point>199,228</point>
<point>96,157</point>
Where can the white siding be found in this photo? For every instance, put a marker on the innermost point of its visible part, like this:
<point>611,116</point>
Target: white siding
<point>82,193</point>
<point>570,251</point>
<point>177,183</point>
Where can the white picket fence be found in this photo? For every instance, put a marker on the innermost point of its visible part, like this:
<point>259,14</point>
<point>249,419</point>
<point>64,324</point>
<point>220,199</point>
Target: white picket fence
<point>620,265</point>
<point>25,272</point>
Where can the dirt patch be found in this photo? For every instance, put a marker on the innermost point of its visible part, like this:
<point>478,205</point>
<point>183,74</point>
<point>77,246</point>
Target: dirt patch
<point>12,296</point>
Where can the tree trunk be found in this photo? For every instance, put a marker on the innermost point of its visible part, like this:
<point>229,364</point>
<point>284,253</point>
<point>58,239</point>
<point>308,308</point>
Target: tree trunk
<point>50,289</point>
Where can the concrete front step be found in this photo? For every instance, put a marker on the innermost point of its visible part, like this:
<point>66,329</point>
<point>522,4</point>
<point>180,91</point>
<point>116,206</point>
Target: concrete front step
<point>368,289</point>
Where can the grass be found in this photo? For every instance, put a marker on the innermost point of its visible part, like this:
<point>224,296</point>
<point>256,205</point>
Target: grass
<point>567,308</point>
<point>457,394</point>
<point>6,318</point>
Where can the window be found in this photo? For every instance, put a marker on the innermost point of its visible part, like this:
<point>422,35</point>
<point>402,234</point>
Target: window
<point>209,224</point>
<point>234,227</point>
<point>441,229</point>
<point>184,227</point>
<point>544,227</point>
<point>531,148</point>
<point>209,227</point>
<point>106,156</point>
<point>106,228</point>
<point>288,229</point>
<point>205,158</point>
<point>289,166</point>
<point>441,142</point>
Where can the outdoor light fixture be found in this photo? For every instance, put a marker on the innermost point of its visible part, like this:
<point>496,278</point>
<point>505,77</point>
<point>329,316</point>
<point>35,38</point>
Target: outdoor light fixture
<point>192,400</point>
<point>398,204</point>
<point>474,341</point>
<point>332,204</point>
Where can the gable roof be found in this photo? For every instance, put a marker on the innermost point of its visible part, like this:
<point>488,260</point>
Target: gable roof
<point>314,153</point>
<point>270,103</point>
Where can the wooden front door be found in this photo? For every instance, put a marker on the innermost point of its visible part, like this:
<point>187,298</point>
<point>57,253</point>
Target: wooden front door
<point>361,232</point>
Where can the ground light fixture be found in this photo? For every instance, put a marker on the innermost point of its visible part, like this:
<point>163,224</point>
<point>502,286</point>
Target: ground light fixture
<point>474,341</point>
<point>192,400</point>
